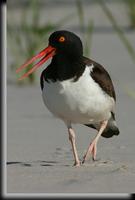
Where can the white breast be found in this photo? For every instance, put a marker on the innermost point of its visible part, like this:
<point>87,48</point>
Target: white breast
<point>82,101</point>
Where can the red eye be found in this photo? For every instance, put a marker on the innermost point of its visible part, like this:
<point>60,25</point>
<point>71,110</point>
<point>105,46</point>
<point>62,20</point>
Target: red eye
<point>61,39</point>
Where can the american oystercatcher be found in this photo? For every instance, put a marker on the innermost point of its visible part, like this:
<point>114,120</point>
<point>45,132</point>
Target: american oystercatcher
<point>76,89</point>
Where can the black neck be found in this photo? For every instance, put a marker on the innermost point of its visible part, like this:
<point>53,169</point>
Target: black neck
<point>63,68</point>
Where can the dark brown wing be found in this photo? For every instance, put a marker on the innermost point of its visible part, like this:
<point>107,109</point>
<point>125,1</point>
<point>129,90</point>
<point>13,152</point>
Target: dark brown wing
<point>101,76</point>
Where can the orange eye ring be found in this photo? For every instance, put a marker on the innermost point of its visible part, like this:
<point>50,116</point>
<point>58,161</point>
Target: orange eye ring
<point>62,39</point>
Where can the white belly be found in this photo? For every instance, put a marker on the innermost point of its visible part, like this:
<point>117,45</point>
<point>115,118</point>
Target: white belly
<point>82,101</point>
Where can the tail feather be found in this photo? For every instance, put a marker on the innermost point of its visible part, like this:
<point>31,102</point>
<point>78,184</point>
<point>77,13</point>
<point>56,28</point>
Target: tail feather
<point>111,128</point>
<point>110,131</point>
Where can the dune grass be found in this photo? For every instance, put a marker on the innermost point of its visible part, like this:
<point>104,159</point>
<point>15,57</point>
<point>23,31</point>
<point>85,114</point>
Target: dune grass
<point>27,38</point>
<point>118,29</point>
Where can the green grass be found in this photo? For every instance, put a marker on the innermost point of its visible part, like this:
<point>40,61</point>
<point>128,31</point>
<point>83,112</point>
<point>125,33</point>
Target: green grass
<point>131,12</point>
<point>118,29</point>
<point>26,39</point>
<point>87,30</point>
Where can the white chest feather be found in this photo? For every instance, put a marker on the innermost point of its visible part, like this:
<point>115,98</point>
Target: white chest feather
<point>82,101</point>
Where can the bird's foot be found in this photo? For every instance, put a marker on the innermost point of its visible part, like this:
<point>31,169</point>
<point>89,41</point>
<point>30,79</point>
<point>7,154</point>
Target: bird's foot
<point>77,163</point>
<point>92,149</point>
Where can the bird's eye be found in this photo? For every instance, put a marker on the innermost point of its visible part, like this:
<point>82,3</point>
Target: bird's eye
<point>62,39</point>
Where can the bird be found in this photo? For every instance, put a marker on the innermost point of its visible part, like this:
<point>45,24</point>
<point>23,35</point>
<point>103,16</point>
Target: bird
<point>75,89</point>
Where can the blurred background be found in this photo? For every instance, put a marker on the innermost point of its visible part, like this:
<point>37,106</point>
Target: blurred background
<point>34,136</point>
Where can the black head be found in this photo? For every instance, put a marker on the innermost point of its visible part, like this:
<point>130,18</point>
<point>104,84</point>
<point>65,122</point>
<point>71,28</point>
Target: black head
<point>66,43</point>
<point>65,49</point>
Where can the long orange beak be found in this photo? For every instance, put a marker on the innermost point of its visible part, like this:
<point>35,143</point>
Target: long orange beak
<point>45,54</point>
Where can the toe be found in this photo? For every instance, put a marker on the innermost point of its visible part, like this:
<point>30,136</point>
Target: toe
<point>77,164</point>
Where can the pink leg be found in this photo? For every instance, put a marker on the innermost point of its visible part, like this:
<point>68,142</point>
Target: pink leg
<point>92,149</point>
<point>72,140</point>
